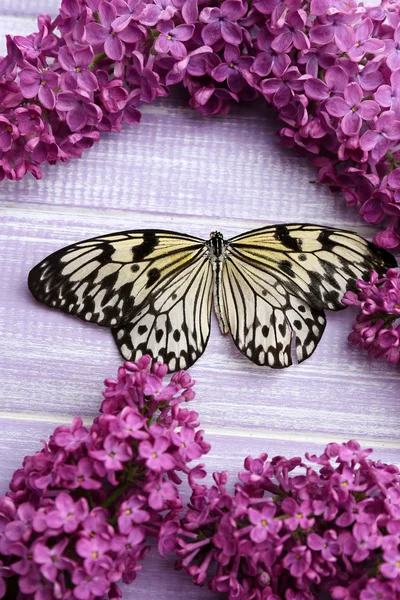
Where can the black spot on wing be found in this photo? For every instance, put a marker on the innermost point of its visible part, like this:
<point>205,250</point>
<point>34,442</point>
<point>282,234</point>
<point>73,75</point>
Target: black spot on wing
<point>147,246</point>
<point>286,267</point>
<point>324,238</point>
<point>283,234</point>
<point>152,276</point>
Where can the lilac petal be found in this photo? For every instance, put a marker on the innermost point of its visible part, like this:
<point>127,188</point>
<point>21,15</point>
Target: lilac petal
<point>107,13</point>
<point>316,89</point>
<point>233,10</point>
<point>96,34</point>
<point>190,11</point>
<point>211,33</point>
<point>231,53</point>
<point>183,32</point>
<point>368,109</point>
<point>51,79</point>
<point>150,15</point>
<point>282,97</point>
<point>221,72</point>
<point>130,34</point>
<point>66,58</point>
<point>66,101</point>
<point>280,65</point>
<point>262,64</point>
<point>177,49</point>
<point>87,81</point>
<point>337,107</point>
<point>235,81</point>
<point>322,34</point>
<point>114,48</point>
<point>393,61</point>
<point>369,139</point>
<point>29,85</point>
<point>351,123</point>
<point>231,33</point>
<point>353,94</point>
<point>380,148</point>
<point>301,41</point>
<point>383,96</point>
<point>373,46</point>
<point>271,86</point>
<point>282,42</point>
<point>364,30</point>
<point>344,37</point>
<point>394,179</point>
<point>394,132</point>
<point>336,78</point>
<point>84,57</point>
<point>46,97</point>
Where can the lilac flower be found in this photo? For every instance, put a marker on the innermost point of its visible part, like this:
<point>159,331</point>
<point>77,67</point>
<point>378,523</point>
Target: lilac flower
<point>89,584</point>
<point>51,559</point>
<point>155,454</point>
<point>221,23</point>
<point>336,28</point>
<point>264,522</point>
<point>328,545</point>
<point>292,34</point>
<point>268,59</point>
<point>298,561</point>
<point>29,119</point>
<point>114,454</point>
<point>352,109</point>
<point>171,38</point>
<point>80,110</point>
<point>364,43</point>
<point>105,33</point>
<point>161,10</point>
<point>282,88</point>
<point>74,17</point>
<point>128,12</point>
<point>41,84</point>
<point>336,80</point>
<point>67,513</point>
<point>131,512</point>
<point>378,140</point>
<point>233,69</point>
<point>76,62</point>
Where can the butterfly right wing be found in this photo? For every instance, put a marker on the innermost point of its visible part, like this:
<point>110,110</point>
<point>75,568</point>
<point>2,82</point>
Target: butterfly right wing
<point>174,326</point>
<point>107,279</point>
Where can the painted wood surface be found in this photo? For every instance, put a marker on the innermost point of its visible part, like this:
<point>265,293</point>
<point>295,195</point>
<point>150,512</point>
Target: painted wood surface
<point>180,171</point>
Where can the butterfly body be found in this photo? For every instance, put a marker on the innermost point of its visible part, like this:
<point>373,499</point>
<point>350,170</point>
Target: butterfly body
<point>155,288</point>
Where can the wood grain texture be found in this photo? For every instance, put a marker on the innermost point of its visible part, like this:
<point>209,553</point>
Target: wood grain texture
<point>177,170</point>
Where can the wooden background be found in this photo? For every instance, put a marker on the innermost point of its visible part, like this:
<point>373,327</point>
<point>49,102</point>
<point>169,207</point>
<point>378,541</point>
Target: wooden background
<point>180,171</point>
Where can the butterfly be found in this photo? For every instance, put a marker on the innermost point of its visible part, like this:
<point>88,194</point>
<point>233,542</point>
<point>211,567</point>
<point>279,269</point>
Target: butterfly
<point>155,288</point>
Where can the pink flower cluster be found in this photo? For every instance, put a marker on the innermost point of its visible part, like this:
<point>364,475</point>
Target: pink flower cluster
<point>377,328</point>
<point>290,532</point>
<point>76,520</point>
<point>330,67</point>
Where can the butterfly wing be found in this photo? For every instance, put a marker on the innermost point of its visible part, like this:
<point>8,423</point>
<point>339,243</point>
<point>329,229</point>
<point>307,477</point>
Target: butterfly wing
<point>107,279</point>
<point>174,326</point>
<point>277,281</point>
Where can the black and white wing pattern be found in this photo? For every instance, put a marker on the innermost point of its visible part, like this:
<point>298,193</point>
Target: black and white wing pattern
<point>277,281</point>
<point>138,283</point>
<point>174,325</point>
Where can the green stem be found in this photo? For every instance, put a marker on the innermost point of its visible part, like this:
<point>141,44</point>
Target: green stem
<point>97,59</point>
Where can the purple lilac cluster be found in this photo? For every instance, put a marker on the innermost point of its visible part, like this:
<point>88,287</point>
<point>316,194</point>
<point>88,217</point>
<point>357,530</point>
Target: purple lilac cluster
<point>377,328</point>
<point>295,536</point>
<point>330,67</point>
<point>79,512</point>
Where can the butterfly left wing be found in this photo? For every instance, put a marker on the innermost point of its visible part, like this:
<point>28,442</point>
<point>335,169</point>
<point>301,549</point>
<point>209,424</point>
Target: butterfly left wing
<point>174,326</point>
<point>106,279</point>
<point>277,281</point>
